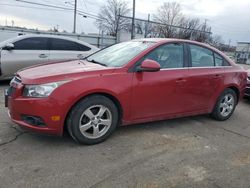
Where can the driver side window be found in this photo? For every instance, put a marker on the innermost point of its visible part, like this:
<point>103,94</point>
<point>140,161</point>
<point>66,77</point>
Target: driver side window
<point>168,56</point>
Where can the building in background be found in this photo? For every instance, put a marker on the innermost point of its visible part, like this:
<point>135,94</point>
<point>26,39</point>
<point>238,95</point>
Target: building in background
<point>242,53</point>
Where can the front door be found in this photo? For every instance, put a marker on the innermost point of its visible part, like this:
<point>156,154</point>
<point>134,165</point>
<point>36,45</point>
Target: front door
<point>26,52</point>
<point>161,93</point>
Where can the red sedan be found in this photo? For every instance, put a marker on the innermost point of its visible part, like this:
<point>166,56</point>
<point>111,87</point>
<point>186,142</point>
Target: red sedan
<point>127,83</point>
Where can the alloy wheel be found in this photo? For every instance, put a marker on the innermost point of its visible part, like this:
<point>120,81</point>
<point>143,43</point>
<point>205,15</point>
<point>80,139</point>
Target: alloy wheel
<point>95,121</point>
<point>227,105</point>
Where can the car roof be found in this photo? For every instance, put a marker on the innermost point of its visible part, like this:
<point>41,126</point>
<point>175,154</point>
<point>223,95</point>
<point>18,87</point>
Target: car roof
<point>166,40</point>
<point>163,40</point>
<point>14,39</point>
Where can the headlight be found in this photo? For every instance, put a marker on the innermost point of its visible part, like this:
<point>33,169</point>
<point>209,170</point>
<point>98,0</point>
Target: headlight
<point>43,90</point>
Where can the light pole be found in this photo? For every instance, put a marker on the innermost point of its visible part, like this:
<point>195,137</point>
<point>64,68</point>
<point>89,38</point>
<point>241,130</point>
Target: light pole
<point>133,22</point>
<point>74,27</point>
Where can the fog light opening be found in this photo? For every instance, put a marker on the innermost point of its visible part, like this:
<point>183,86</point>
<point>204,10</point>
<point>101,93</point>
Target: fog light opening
<point>33,120</point>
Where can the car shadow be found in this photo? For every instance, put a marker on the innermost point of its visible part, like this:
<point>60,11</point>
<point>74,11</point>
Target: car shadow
<point>246,100</point>
<point>121,131</point>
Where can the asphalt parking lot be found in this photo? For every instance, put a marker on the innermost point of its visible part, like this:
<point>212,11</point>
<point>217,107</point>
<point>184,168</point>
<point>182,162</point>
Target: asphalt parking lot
<point>186,152</point>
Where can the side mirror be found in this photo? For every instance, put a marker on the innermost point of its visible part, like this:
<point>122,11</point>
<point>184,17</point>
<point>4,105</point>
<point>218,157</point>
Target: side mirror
<point>9,46</point>
<point>149,65</point>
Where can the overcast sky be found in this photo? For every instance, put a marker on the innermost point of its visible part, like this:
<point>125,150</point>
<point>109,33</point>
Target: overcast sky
<point>228,18</point>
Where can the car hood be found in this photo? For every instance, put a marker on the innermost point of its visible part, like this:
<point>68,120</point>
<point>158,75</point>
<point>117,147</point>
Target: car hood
<point>52,72</point>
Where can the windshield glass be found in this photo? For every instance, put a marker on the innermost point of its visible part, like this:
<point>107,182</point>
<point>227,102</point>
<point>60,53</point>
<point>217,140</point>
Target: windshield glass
<point>119,54</point>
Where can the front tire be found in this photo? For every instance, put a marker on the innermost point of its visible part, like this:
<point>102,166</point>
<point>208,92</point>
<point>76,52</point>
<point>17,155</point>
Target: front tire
<point>92,120</point>
<point>225,105</point>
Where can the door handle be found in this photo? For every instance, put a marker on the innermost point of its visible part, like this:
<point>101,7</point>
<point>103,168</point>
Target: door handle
<point>216,76</point>
<point>43,56</point>
<point>181,80</point>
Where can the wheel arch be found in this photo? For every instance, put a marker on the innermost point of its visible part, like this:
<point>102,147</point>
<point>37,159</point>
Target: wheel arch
<point>233,87</point>
<point>236,90</point>
<point>103,93</point>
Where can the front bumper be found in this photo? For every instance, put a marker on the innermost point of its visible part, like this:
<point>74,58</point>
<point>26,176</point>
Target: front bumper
<point>45,108</point>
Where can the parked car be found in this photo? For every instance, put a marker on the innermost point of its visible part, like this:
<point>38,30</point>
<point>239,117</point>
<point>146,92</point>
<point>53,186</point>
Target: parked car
<point>28,50</point>
<point>247,92</point>
<point>127,83</point>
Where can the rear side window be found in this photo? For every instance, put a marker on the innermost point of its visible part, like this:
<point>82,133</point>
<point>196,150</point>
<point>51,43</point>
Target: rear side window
<point>83,47</point>
<point>35,43</point>
<point>66,45</point>
<point>201,57</point>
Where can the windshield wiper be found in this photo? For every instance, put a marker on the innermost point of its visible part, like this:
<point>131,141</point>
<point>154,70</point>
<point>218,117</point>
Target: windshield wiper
<point>96,62</point>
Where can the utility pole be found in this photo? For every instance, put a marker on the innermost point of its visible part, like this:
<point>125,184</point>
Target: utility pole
<point>117,30</point>
<point>229,43</point>
<point>74,27</point>
<point>133,22</point>
<point>146,28</point>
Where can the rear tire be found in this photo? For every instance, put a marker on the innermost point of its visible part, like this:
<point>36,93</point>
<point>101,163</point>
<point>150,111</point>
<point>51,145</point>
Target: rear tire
<point>225,105</point>
<point>92,120</point>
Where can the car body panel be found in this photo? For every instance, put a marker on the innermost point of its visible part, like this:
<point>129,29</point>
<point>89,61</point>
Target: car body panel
<point>151,91</point>
<point>25,58</point>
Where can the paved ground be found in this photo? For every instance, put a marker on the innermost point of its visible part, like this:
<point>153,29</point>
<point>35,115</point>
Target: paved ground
<point>187,152</point>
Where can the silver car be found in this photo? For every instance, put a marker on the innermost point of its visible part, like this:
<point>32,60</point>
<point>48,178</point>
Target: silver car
<point>28,50</point>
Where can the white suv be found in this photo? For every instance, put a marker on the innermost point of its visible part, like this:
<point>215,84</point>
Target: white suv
<point>29,50</point>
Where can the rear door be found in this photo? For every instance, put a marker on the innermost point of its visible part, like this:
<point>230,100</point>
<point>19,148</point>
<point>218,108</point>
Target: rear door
<point>205,77</point>
<point>61,50</point>
<point>26,52</point>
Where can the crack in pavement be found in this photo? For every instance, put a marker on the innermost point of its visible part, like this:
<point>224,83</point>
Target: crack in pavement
<point>20,133</point>
<point>236,133</point>
<point>12,140</point>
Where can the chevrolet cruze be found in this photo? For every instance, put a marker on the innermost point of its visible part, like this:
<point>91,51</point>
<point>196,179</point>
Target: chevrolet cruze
<point>132,82</point>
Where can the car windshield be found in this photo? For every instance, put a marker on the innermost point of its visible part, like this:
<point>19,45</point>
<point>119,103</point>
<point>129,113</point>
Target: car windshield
<point>119,54</point>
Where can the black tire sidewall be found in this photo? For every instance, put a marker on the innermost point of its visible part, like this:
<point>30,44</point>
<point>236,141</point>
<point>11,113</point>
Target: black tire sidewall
<point>77,112</point>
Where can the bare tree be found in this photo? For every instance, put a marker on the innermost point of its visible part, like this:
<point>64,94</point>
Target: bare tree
<point>109,19</point>
<point>168,14</point>
<point>175,24</point>
<point>190,25</point>
<point>203,36</point>
<point>216,40</point>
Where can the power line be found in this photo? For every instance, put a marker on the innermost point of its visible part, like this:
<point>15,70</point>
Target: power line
<point>23,6</point>
<point>58,7</point>
<point>48,9</point>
